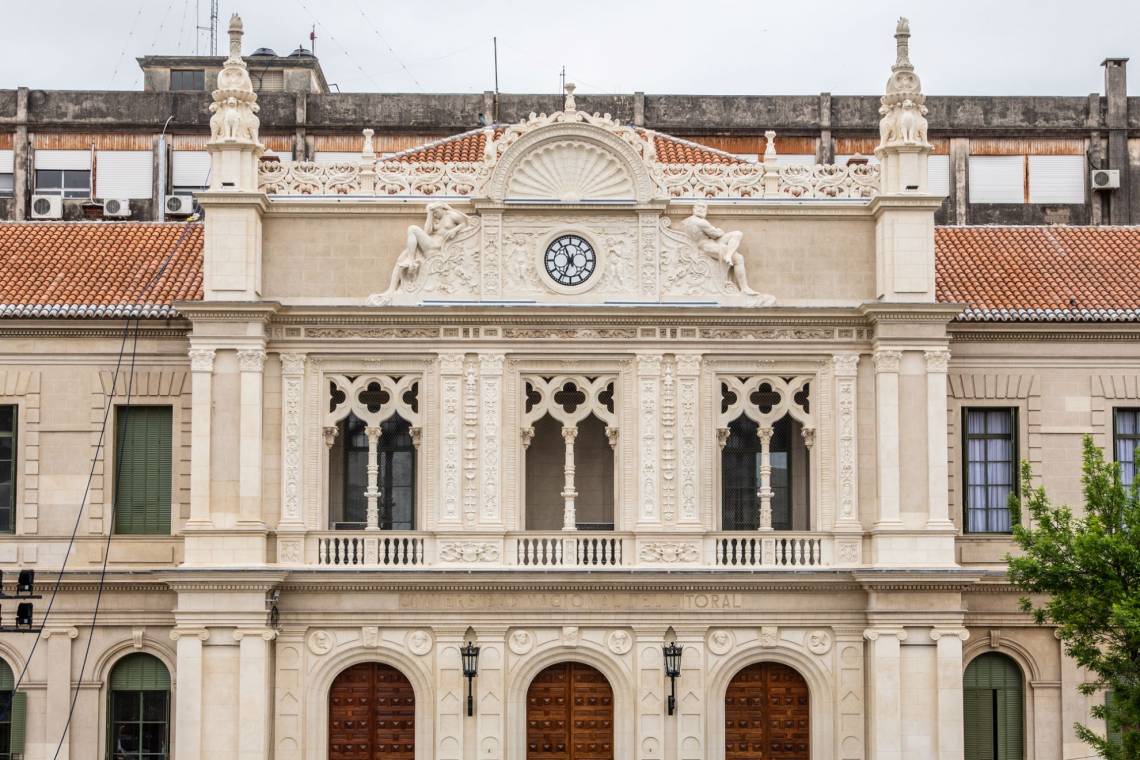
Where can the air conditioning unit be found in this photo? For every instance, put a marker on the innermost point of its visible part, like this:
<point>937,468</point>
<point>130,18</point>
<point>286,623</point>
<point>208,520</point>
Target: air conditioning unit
<point>1104,179</point>
<point>180,205</point>
<point>47,207</point>
<point>116,207</point>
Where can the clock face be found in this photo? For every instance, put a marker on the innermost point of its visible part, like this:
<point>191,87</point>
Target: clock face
<point>570,260</point>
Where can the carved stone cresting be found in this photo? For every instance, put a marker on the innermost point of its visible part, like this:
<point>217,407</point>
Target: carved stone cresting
<point>234,108</point>
<point>670,553</point>
<point>721,641</point>
<point>619,642</point>
<point>320,642</point>
<point>903,105</point>
<point>520,642</point>
<point>819,641</point>
<point>419,642</point>
<point>433,262</point>
<point>468,551</point>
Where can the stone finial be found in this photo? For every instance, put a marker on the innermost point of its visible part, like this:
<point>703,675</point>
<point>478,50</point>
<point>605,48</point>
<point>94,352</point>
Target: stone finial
<point>569,105</point>
<point>902,42</point>
<point>235,36</point>
<point>368,150</point>
<point>770,147</point>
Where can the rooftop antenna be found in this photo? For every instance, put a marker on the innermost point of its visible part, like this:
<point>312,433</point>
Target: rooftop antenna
<point>495,51</point>
<point>313,41</point>
<point>562,79</point>
<point>211,28</point>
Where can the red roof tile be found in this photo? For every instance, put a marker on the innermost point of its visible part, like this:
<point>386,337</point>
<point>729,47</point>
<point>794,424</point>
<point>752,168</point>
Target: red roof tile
<point>673,150</point>
<point>1040,273</point>
<point>98,269</point>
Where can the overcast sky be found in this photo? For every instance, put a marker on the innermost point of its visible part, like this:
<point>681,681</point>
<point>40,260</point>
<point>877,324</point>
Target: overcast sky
<point>982,47</point>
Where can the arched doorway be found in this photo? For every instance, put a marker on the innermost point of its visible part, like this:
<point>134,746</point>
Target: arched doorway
<point>570,714</point>
<point>372,714</point>
<point>766,714</point>
<point>994,708</point>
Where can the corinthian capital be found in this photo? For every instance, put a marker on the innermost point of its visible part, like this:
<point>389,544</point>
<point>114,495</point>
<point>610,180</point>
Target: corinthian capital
<point>887,361</point>
<point>251,360</point>
<point>201,360</point>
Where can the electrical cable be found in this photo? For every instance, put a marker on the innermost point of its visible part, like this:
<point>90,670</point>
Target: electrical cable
<point>387,44</point>
<point>161,26</point>
<point>127,42</point>
<point>137,320</point>
<point>332,37</point>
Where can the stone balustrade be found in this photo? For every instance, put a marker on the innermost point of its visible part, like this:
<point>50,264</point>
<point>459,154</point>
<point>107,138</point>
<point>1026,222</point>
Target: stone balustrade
<point>600,550</point>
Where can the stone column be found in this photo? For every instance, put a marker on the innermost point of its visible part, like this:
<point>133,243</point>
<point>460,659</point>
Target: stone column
<point>491,708</point>
<point>372,469</point>
<point>648,435</point>
<point>765,492</point>
<point>450,430</point>
<point>884,703</point>
<point>188,712</point>
<point>255,711</point>
<point>1046,741</point>
<point>569,494</point>
<point>451,700</point>
<point>850,697</point>
<point>59,688</point>
<point>692,709</point>
<point>491,440</point>
<point>887,436</point>
<point>251,363</point>
<point>651,692</point>
<point>949,695</point>
<point>688,438</point>
<point>292,440</point>
<point>937,475</point>
<point>845,399</point>
<point>201,412</point>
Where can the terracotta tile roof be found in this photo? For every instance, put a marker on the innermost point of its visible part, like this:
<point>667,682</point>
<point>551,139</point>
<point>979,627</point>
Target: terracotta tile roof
<point>1040,274</point>
<point>469,146</point>
<point>674,150</point>
<point>98,269</point>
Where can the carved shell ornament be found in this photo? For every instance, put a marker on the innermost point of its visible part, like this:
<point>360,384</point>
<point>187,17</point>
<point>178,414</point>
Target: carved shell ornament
<point>570,171</point>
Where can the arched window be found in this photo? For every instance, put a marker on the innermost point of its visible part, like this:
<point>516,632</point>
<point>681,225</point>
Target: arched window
<point>396,457</point>
<point>994,695</point>
<point>139,709</point>
<point>13,712</point>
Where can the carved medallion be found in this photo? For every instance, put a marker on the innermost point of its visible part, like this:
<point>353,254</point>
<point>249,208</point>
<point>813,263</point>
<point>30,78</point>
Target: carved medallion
<point>721,641</point>
<point>320,642</point>
<point>819,642</point>
<point>521,642</point>
<point>619,642</point>
<point>419,642</point>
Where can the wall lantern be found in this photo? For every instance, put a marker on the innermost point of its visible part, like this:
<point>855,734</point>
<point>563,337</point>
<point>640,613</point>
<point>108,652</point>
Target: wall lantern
<point>672,654</point>
<point>470,654</point>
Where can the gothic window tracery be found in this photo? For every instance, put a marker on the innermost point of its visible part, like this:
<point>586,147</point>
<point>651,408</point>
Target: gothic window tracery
<point>766,430</point>
<point>372,431</point>
<point>579,410</point>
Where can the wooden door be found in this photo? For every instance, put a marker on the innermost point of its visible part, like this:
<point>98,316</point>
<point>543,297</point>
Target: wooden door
<point>766,713</point>
<point>372,714</point>
<point>570,714</point>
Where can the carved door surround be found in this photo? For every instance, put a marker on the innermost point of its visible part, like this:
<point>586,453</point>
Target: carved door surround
<point>570,714</point>
<point>569,399</point>
<point>765,399</point>
<point>766,714</point>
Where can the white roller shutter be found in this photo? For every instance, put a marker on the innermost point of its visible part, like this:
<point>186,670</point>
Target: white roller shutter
<point>190,168</point>
<point>7,161</point>
<point>997,179</point>
<point>336,157</point>
<point>124,174</point>
<point>63,159</point>
<point>938,175</point>
<point>793,159</point>
<point>1056,179</point>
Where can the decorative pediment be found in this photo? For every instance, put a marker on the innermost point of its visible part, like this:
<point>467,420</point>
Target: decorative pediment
<point>570,171</point>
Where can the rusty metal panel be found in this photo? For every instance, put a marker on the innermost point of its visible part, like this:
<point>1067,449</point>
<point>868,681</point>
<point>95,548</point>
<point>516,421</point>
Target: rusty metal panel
<point>6,140</point>
<point>1020,146</point>
<point>189,142</point>
<point>849,146</point>
<point>755,144</point>
<point>86,141</point>
<point>278,143</point>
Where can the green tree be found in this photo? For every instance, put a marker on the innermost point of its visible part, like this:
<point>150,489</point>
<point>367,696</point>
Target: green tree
<point>1085,574</point>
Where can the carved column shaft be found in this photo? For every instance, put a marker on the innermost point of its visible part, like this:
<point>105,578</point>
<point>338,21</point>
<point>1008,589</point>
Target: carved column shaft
<point>884,706</point>
<point>846,402</point>
<point>201,412</point>
<point>251,363</point>
<point>765,492</point>
<point>450,430</point>
<point>937,474</point>
<point>372,486</point>
<point>887,436</point>
<point>292,446</point>
<point>949,684</point>
<point>569,512</point>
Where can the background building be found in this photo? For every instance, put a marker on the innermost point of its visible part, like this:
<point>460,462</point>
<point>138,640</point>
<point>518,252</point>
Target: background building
<point>574,392</point>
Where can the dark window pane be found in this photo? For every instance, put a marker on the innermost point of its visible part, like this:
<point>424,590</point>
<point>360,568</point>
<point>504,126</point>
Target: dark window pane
<point>154,705</point>
<point>49,179</point>
<point>990,469</point>
<point>126,737</point>
<point>154,738</point>
<point>1127,430</point>
<point>7,184</point>
<point>7,419</point>
<point>187,79</point>
<point>125,705</point>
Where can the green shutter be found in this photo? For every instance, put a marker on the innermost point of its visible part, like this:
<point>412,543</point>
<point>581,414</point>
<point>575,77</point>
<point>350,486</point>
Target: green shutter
<point>140,672</point>
<point>19,722</point>
<point>7,680</point>
<point>979,724</point>
<point>994,701</point>
<point>143,448</point>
